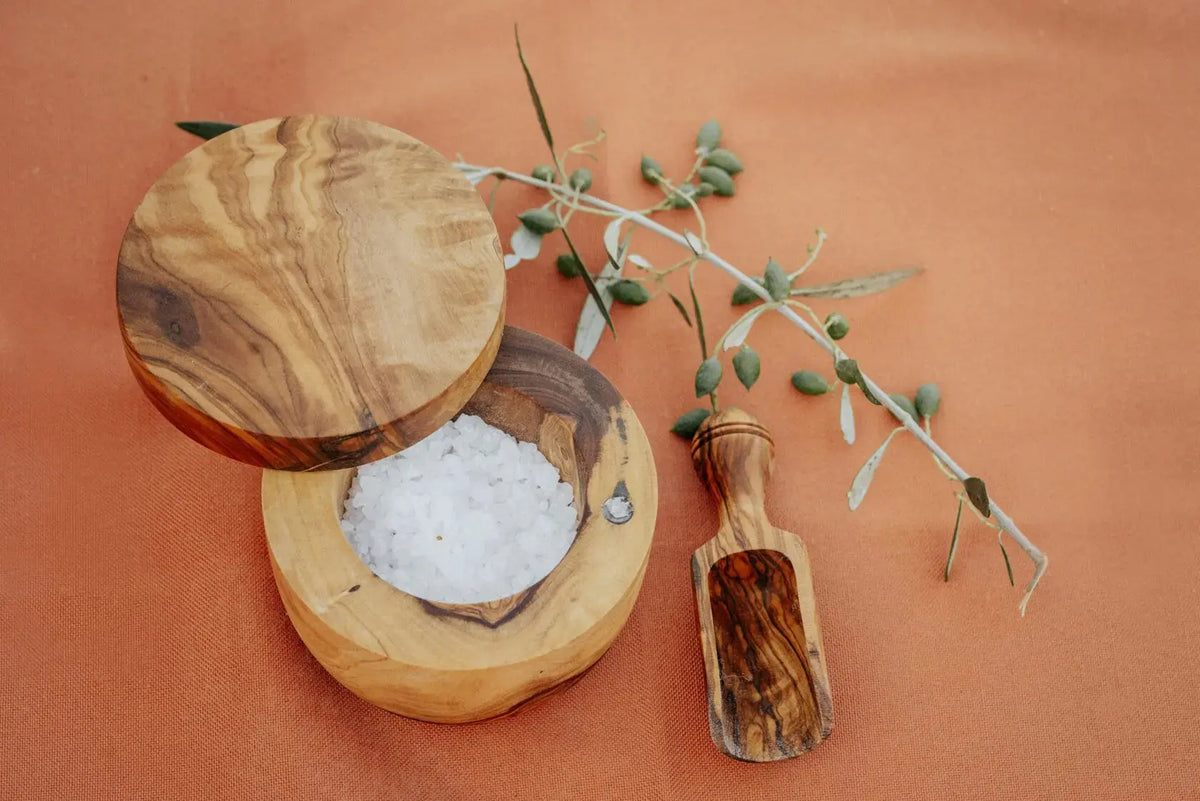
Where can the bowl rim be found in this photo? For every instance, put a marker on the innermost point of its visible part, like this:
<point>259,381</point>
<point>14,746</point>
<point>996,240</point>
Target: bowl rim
<point>312,557</point>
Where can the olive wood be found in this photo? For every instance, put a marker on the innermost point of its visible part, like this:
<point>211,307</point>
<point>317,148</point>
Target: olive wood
<point>310,292</point>
<point>768,690</point>
<point>460,662</point>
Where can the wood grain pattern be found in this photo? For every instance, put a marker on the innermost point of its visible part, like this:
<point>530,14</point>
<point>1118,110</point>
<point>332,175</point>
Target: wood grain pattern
<point>460,662</point>
<point>768,687</point>
<point>310,292</point>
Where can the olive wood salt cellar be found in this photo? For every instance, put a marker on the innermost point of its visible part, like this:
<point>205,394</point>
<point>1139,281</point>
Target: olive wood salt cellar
<point>309,294</point>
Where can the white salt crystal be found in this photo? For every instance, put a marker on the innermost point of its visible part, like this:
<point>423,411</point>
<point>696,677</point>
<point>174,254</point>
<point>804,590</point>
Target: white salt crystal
<point>464,516</point>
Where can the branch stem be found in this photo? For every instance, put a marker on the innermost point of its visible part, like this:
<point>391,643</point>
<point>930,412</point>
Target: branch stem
<point>1005,523</point>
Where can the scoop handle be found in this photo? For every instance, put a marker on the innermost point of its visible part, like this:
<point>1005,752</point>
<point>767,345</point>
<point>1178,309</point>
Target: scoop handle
<point>734,456</point>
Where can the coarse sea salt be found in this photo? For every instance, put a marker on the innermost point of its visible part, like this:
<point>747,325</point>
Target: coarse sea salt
<point>466,515</point>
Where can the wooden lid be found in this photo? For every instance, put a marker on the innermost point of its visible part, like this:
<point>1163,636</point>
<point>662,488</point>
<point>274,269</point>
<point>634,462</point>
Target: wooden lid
<point>309,293</point>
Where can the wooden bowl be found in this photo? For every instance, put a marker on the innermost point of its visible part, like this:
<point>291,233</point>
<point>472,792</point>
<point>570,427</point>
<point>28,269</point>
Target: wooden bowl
<point>461,662</point>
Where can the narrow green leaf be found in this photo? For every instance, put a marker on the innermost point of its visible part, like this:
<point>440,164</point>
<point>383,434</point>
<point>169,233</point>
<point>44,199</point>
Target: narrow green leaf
<point>977,492</point>
<point>859,286</point>
<point>696,311</point>
<point>586,275</point>
<point>862,480</point>
<point>954,539</point>
<point>537,101</point>
<point>206,130</point>
<point>689,422</point>
<point>682,309</point>
<point>1007,564</point>
<point>708,376</point>
<point>747,366</point>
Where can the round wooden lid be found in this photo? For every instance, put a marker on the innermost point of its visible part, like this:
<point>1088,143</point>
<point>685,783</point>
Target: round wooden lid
<point>309,293</point>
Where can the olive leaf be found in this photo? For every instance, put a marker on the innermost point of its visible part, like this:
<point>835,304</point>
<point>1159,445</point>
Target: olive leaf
<point>847,416</point>
<point>859,286</point>
<point>1007,563</point>
<point>689,422</point>
<point>679,305</point>
<point>954,539</point>
<point>591,323</point>
<point>526,244</point>
<point>477,176</point>
<point>612,240</point>
<point>206,130</point>
<point>747,366</point>
<point>533,93</point>
<point>593,290</point>
<point>708,375</point>
<point>977,492</point>
<point>862,481</point>
<point>696,311</point>
<point>741,329</point>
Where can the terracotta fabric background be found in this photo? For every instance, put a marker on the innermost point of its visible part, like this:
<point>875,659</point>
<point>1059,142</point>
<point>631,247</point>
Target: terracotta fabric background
<point>1040,159</point>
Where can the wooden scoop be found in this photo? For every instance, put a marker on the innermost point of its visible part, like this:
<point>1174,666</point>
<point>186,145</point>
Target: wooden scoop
<point>768,692</point>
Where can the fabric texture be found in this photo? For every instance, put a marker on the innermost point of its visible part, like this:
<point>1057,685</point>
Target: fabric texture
<point>1039,159</point>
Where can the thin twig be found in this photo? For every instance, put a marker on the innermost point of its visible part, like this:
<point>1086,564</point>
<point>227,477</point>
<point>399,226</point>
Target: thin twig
<point>1005,523</point>
<point>812,255</point>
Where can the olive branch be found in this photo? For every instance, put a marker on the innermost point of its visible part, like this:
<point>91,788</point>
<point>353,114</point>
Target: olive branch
<point>712,174</point>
